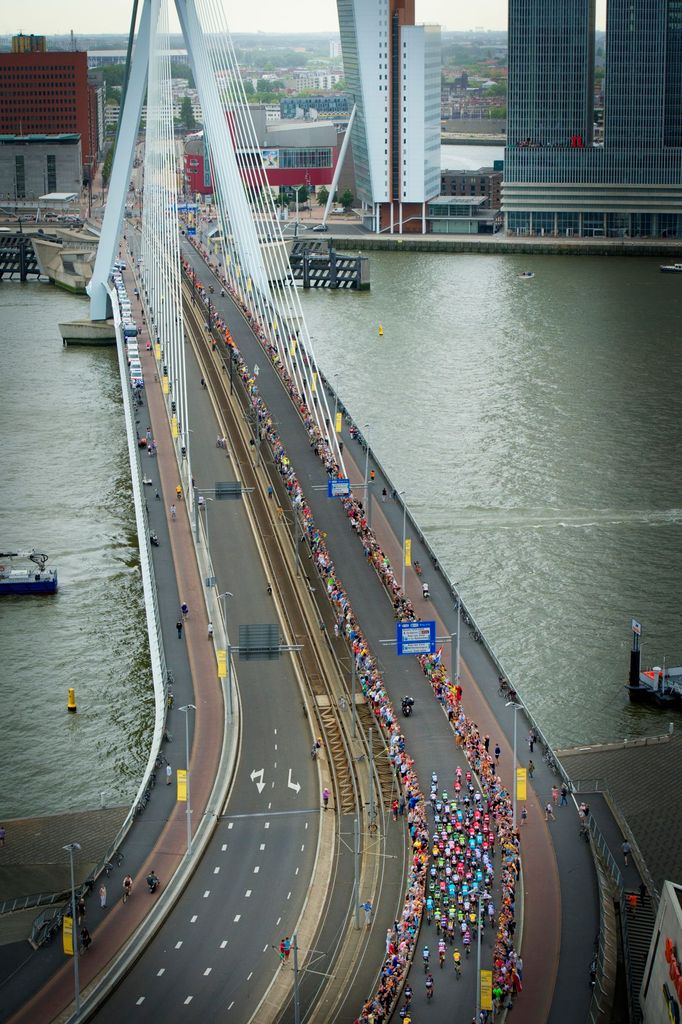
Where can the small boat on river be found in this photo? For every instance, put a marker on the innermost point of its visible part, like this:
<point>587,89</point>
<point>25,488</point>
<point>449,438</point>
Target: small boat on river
<point>26,579</point>
<point>526,275</point>
<point>671,268</point>
<point>661,687</point>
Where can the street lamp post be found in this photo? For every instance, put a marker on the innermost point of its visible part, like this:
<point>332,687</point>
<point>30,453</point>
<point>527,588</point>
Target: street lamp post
<point>401,494</point>
<point>366,429</point>
<point>459,630</point>
<point>223,597</point>
<point>336,397</point>
<point>187,708</point>
<point>71,848</point>
<point>513,704</point>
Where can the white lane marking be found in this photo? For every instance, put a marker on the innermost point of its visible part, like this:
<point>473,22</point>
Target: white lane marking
<point>178,944</point>
<point>160,972</point>
<point>231,1005</point>
<point>140,1001</point>
<point>225,845</point>
<point>277,921</point>
<point>216,871</point>
<point>256,869</point>
<point>275,746</point>
<point>262,846</point>
<point>306,824</point>
<point>193,918</point>
<point>231,825</point>
<point>250,976</point>
<point>275,765</point>
<point>296,872</point>
<point>302,847</point>
<point>267,824</point>
<point>188,1000</point>
<point>275,732</point>
<point>223,944</point>
<point>207,894</point>
<point>265,949</point>
<point>207,971</point>
<point>237,917</point>
<point>289,896</point>
<point>247,894</point>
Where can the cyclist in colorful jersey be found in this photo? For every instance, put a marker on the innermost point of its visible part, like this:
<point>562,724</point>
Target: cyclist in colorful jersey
<point>457,960</point>
<point>441,952</point>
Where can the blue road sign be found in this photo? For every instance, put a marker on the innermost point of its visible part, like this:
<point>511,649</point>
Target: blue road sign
<point>338,488</point>
<point>191,231</point>
<point>416,637</point>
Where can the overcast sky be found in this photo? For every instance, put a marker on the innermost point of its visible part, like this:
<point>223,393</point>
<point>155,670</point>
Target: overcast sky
<point>51,17</point>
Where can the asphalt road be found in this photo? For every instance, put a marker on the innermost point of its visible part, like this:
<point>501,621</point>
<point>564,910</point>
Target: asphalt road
<point>215,951</point>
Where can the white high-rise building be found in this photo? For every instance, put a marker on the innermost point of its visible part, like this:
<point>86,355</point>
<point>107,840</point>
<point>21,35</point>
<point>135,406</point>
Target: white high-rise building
<point>393,70</point>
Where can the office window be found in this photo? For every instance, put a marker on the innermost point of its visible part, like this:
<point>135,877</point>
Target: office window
<point>51,173</point>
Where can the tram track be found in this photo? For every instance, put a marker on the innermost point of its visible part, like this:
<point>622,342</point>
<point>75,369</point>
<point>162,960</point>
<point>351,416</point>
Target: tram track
<point>318,667</point>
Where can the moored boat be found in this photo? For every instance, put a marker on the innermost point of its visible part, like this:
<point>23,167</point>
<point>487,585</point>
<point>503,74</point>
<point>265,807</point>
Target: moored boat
<point>26,579</point>
<point>671,268</point>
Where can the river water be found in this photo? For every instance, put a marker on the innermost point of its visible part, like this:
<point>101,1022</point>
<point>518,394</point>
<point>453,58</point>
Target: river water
<point>66,491</point>
<point>536,426</point>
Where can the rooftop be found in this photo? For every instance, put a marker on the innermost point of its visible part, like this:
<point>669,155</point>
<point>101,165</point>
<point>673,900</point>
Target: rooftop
<point>58,139</point>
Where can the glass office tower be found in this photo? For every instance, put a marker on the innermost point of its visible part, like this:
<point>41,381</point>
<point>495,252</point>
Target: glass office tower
<point>557,182</point>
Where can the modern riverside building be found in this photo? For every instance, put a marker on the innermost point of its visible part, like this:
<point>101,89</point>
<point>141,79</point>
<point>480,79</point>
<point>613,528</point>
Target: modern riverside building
<point>392,69</point>
<point>557,181</point>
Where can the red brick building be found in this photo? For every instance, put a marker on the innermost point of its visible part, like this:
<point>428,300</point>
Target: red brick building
<point>48,93</point>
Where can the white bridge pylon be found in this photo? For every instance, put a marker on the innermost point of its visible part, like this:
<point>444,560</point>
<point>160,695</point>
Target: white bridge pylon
<point>253,256</point>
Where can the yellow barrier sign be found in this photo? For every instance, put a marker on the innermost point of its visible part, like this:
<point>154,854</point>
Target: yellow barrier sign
<point>164,384</point>
<point>157,352</point>
<point>222,663</point>
<point>313,385</point>
<point>67,935</point>
<point>408,552</point>
<point>521,776</point>
<point>174,427</point>
<point>486,990</point>
<point>181,776</point>
<point>339,420</point>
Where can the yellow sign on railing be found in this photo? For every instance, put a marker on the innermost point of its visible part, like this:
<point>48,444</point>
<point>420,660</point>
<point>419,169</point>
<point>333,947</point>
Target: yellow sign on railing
<point>222,663</point>
<point>521,776</point>
<point>339,421</point>
<point>67,935</point>
<point>157,352</point>
<point>174,427</point>
<point>164,384</point>
<point>408,552</point>
<point>313,385</point>
<point>293,346</point>
<point>486,990</point>
<point>181,776</point>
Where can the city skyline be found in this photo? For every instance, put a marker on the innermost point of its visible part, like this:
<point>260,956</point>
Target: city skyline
<point>48,18</point>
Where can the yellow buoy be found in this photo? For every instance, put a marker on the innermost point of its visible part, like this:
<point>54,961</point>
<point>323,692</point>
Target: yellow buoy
<point>71,706</point>
<point>381,331</point>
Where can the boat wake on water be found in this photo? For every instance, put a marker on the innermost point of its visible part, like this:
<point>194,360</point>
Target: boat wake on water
<point>577,519</point>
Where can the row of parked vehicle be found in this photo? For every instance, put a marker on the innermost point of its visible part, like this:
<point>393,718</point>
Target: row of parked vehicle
<point>130,330</point>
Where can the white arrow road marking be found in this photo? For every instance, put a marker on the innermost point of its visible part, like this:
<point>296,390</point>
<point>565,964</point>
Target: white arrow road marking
<point>294,785</point>
<point>258,775</point>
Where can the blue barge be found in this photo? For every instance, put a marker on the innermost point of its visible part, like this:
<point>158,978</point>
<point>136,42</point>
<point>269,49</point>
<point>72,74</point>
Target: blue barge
<point>26,579</point>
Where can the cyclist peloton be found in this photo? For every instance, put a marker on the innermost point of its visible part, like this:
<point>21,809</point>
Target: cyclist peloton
<point>425,957</point>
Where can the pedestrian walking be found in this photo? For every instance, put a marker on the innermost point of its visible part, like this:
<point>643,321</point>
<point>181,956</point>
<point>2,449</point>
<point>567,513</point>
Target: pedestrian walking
<point>173,512</point>
<point>643,891</point>
<point>486,743</point>
<point>127,887</point>
<point>287,947</point>
<point>394,810</point>
<point>102,895</point>
<point>80,909</point>
<point>281,953</point>
<point>555,794</point>
<point>401,805</point>
<point>169,775</point>
<point>184,609</point>
<point>210,631</point>
<point>524,815</point>
<point>497,753</point>
<point>85,939</point>
<point>531,740</point>
<point>336,631</point>
<point>325,798</point>
<point>626,851</point>
<point>563,802</point>
<point>178,626</point>
<point>367,907</point>
<point>549,813</point>
<point>531,769</point>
